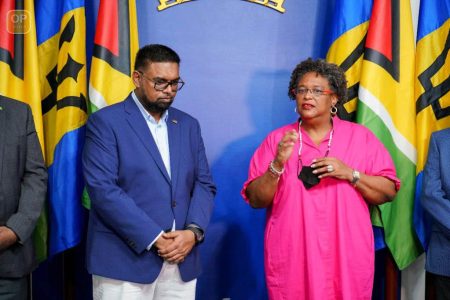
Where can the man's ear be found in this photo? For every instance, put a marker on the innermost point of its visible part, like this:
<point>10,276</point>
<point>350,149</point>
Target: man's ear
<point>136,78</point>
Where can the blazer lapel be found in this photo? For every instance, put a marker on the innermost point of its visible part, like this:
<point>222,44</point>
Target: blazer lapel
<point>174,132</point>
<point>140,128</point>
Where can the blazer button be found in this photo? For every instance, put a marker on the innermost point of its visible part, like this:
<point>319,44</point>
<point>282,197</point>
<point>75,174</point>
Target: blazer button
<point>174,203</point>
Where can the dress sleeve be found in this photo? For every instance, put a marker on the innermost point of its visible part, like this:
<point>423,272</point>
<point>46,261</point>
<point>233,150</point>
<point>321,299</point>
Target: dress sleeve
<point>260,161</point>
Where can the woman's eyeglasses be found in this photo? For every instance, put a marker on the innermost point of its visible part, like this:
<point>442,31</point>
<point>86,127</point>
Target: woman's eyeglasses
<point>314,92</point>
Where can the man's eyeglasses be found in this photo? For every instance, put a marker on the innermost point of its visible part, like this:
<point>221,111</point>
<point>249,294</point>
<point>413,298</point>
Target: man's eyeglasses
<point>314,92</point>
<point>160,84</point>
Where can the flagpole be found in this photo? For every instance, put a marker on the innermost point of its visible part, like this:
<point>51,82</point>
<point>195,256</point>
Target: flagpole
<point>68,273</point>
<point>392,273</point>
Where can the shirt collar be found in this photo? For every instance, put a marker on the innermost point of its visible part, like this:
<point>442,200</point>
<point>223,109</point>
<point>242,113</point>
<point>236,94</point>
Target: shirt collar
<point>146,114</point>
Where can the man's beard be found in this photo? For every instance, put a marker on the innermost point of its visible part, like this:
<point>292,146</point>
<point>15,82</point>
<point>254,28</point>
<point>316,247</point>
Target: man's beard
<point>156,107</point>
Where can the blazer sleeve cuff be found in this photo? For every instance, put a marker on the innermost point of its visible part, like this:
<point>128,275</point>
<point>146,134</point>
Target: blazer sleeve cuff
<point>20,227</point>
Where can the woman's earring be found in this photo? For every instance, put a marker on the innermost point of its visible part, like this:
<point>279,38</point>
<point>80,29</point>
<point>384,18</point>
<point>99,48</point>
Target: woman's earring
<point>295,109</point>
<point>333,110</point>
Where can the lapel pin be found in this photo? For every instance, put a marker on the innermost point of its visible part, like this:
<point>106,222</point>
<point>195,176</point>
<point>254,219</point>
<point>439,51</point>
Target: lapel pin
<point>174,121</point>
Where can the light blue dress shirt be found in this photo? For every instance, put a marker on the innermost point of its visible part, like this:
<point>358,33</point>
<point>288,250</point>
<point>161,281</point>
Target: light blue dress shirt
<point>161,137</point>
<point>158,130</point>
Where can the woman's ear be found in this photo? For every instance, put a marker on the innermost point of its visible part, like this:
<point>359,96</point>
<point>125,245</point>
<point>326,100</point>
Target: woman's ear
<point>334,100</point>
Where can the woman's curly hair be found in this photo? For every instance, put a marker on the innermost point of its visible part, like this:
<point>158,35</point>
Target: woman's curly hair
<point>330,71</point>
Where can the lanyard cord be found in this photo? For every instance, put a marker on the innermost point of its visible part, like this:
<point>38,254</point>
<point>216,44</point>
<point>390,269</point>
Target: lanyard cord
<point>300,138</point>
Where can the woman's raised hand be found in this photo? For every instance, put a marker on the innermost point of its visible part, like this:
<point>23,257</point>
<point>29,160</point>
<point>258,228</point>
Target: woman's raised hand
<point>285,147</point>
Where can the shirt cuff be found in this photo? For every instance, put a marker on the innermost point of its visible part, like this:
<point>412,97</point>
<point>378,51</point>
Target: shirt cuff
<point>156,238</point>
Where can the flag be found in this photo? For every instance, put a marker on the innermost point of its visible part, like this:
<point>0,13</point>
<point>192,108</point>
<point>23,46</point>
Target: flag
<point>386,106</point>
<point>347,38</point>
<point>19,77</point>
<point>61,35</point>
<point>432,86</point>
<point>115,46</point>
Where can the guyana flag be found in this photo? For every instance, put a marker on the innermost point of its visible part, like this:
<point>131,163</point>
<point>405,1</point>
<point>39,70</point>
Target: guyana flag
<point>20,76</point>
<point>61,35</point>
<point>18,56</point>
<point>115,46</point>
<point>386,106</point>
<point>348,30</point>
<point>432,89</point>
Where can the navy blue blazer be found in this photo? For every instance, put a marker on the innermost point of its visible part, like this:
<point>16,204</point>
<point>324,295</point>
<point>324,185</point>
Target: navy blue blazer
<point>436,201</point>
<point>132,196</point>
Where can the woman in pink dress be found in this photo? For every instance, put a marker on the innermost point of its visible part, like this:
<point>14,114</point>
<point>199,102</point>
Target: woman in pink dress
<point>317,178</point>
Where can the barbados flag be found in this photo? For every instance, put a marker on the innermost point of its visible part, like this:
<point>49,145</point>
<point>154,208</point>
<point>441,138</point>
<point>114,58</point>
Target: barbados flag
<point>432,86</point>
<point>346,46</point>
<point>61,36</point>
<point>19,77</point>
<point>386,106</point>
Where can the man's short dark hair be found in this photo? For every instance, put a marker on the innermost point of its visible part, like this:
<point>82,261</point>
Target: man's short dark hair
<point>155,53</point>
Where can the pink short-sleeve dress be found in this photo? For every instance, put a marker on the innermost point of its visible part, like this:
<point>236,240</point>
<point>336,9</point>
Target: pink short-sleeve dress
<point>319,242</point>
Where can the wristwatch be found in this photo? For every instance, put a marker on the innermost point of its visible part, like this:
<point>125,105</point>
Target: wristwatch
<point>198,232</point>
<point>356,176</point>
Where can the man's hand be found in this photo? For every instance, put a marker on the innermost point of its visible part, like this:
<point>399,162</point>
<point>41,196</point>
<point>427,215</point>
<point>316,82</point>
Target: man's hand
<point>182,243</point>
<point>162,242</point>
<point>7,237</point>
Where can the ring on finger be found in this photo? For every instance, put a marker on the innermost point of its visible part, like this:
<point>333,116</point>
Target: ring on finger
<point>330,168</point>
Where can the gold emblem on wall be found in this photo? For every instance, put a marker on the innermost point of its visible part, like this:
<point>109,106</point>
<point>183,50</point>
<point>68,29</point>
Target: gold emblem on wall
<point>273,4</point>
<point>164,4</point>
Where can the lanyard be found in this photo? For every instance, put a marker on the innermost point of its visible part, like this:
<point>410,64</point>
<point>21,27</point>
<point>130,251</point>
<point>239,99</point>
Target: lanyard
<point>300,138</point>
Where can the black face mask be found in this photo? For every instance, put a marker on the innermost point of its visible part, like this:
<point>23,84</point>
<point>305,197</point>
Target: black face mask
<point>308,178</point>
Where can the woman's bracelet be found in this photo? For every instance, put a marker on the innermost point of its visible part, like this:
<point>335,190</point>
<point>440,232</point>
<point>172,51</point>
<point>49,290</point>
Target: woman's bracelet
<point>274,171</point>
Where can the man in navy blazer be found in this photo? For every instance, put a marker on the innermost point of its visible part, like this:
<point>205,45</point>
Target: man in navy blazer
<point>436,201</point>
<point>150,188</point>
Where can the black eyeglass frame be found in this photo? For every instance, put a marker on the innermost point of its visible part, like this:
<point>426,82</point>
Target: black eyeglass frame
<point>160,86</point>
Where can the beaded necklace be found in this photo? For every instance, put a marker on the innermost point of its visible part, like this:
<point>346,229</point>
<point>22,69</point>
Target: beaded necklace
<point>300,138</point>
